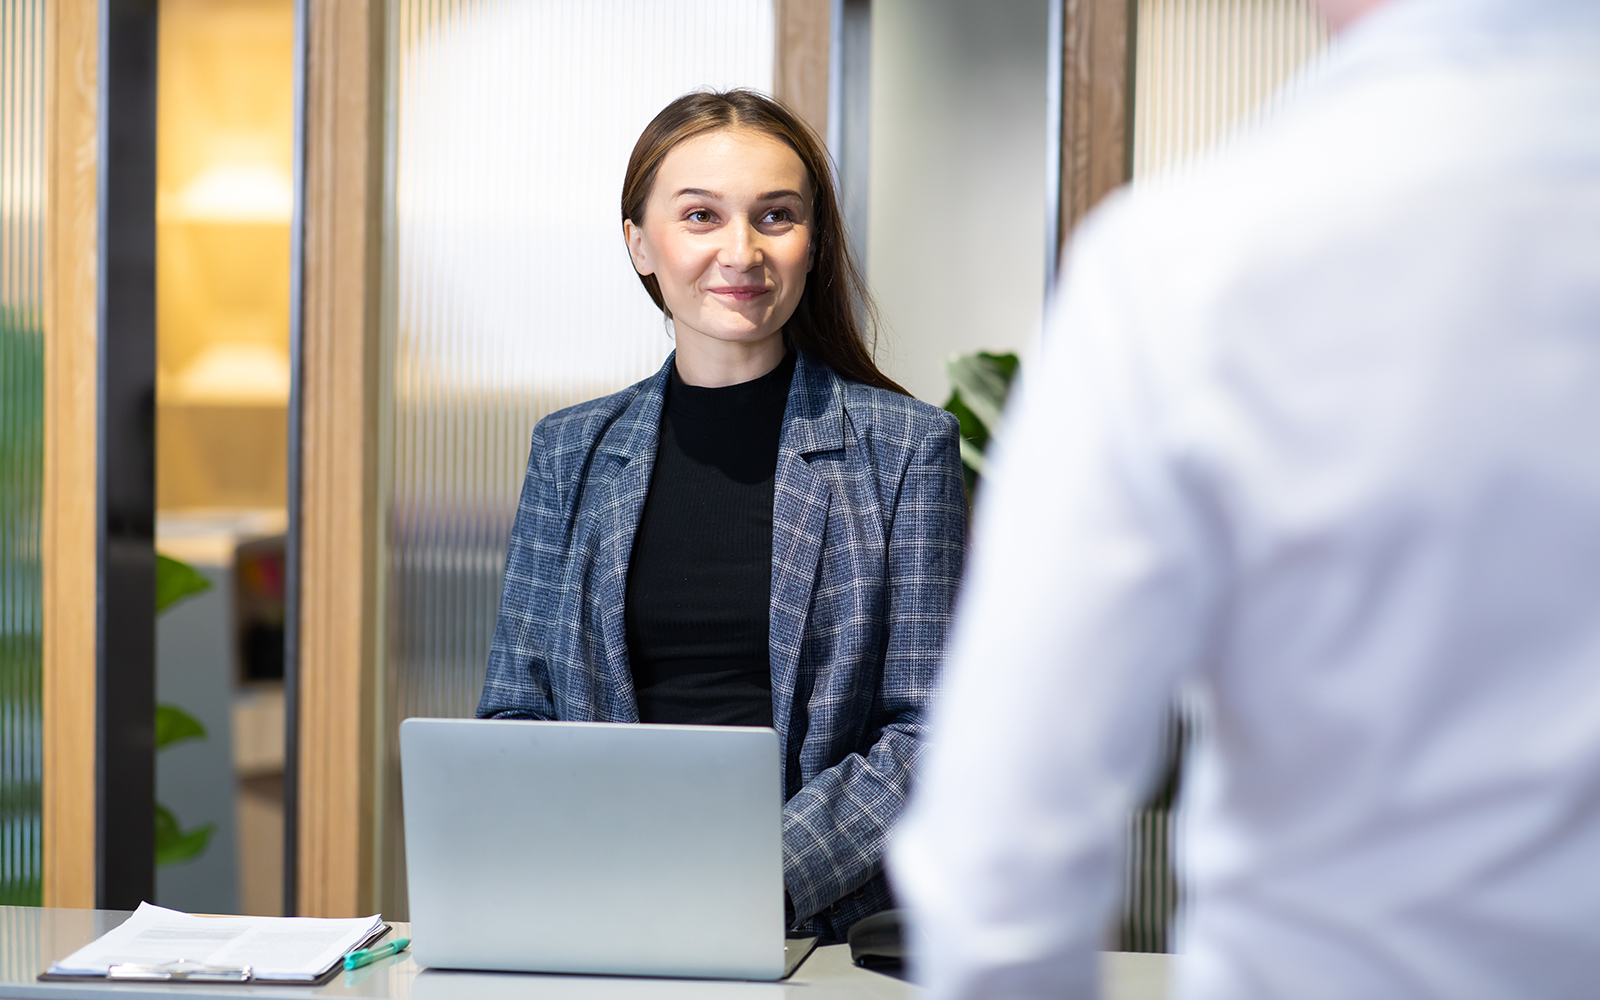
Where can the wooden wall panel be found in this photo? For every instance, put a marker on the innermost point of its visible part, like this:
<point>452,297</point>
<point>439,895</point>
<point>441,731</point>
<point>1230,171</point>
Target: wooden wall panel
<point>1096,104</point>
<point>339,440</point>
<point>800,71</point>
<point>69,516</point>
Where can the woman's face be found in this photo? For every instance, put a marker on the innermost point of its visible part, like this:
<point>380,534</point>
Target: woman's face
<point>727,232</point>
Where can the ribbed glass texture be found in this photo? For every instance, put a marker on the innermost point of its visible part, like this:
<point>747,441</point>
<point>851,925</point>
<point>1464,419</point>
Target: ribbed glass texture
<point>509,293</point>
<point>1204,67</point>
<point>22,253</point>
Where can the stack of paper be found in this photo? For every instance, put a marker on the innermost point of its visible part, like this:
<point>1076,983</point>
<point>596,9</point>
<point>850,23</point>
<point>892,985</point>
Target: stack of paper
<point>294,948</point>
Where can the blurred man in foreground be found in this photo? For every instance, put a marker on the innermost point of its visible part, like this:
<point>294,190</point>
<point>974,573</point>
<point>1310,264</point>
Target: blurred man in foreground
<point>1313,446</point>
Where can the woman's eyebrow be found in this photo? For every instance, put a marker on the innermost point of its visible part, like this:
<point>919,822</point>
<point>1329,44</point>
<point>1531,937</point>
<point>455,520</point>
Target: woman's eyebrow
<point>767,196</point>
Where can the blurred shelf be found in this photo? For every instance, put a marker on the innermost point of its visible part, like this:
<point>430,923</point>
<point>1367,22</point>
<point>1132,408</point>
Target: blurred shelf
<point>258,733</point>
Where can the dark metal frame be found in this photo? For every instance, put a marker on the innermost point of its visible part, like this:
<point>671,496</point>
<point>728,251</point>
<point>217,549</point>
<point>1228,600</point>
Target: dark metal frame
<point>850,112</point>
<point>126,497</point>
<point>1055,38</point>
<point>291,596</point>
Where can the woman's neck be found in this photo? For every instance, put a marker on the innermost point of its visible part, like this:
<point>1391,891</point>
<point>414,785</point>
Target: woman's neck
<point>707,361</point>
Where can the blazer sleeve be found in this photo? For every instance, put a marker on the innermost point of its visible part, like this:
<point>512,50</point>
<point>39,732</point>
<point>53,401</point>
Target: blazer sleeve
<point>835,827</point>
<point>517,683</point>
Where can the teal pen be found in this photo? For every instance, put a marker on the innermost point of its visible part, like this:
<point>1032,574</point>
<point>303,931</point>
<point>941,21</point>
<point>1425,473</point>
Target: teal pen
<point>366,956</point>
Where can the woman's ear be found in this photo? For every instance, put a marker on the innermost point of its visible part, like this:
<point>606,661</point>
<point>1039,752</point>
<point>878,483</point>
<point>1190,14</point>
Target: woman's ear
<point>634,236</point>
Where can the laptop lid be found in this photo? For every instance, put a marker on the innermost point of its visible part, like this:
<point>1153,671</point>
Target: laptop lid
<point>594,848</point>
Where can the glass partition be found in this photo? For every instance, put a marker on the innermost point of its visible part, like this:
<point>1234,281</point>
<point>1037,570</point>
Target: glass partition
<point>1201,67</point>
<point>22,256</point>
<point>508,293</point>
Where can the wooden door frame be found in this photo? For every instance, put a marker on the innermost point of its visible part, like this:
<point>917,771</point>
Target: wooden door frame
<point>68,529</point>
<point>803,41</point>
<point>1091,112</point>
<point>334,538</point>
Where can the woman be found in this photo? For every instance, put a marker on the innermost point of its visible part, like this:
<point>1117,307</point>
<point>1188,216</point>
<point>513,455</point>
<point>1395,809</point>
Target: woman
<point>768,531</point>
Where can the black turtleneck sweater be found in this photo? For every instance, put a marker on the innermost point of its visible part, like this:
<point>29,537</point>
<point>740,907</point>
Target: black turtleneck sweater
<point>700,576</point>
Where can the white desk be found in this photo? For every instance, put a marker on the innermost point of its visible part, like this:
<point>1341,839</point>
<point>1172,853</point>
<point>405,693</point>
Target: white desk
<point>31,938</point>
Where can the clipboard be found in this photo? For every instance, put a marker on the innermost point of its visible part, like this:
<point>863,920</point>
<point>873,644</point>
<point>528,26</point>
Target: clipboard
<point>327,977</point>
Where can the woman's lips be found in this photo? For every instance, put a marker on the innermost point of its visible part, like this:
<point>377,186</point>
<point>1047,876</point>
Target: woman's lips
<point>740,293</point>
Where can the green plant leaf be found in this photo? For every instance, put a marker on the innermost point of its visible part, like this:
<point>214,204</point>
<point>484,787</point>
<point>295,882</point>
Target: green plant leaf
<point>22,443</point>
<point>1006,363</point>
<point>173,844</point>
<point>980,384</point>
<point>176,580</point>
<point>972,456</point>
<point>972,430</point>
<point>983,381</point>
<point>173,725</point>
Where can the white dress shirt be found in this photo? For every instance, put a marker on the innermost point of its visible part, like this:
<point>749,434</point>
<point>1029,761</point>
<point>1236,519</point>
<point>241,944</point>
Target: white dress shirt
<point>1312,444</point>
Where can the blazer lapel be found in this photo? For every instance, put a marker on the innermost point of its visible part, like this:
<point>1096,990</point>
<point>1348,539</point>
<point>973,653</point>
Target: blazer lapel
<point>631,444</point>
<point>813,422</point>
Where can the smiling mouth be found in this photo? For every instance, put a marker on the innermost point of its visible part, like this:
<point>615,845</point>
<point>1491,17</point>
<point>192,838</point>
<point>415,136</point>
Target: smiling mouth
<point>740,293</point>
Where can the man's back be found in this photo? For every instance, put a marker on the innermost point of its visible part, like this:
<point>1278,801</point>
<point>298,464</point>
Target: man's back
<point>1316,440</point>
<point>1393,401</point>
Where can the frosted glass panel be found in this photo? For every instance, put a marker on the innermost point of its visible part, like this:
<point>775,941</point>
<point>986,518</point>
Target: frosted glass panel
<point>1205,66</point>
<point>509,293</point>
<point>22,254</point>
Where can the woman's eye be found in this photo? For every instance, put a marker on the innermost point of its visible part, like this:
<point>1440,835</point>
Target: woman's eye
<point>779,215</point>
<point>699,215</point>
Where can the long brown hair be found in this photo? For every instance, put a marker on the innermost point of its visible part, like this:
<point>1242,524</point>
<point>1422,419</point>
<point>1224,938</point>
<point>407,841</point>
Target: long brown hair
<point>831,320</point>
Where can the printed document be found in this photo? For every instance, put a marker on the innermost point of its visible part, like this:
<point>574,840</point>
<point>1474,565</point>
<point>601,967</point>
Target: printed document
<point>273,947</point>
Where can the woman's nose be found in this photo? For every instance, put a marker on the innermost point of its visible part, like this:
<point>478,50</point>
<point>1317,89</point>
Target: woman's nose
<point>742,250</point>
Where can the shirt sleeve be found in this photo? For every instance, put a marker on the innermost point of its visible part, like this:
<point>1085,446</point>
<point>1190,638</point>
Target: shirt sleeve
<point>835,827</point>
<point>1088,598</point>
<point>517,682</point>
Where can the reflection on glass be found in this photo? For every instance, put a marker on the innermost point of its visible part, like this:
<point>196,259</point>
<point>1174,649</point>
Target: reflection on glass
<point>509,294</point>
<point>225,126</point>
<point>22,250</point>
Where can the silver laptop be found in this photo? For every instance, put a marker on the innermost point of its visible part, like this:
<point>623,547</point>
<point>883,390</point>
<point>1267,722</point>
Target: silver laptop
<point>595,848</point>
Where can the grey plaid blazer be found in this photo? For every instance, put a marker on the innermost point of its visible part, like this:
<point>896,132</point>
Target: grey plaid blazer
<point>869,524</point>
